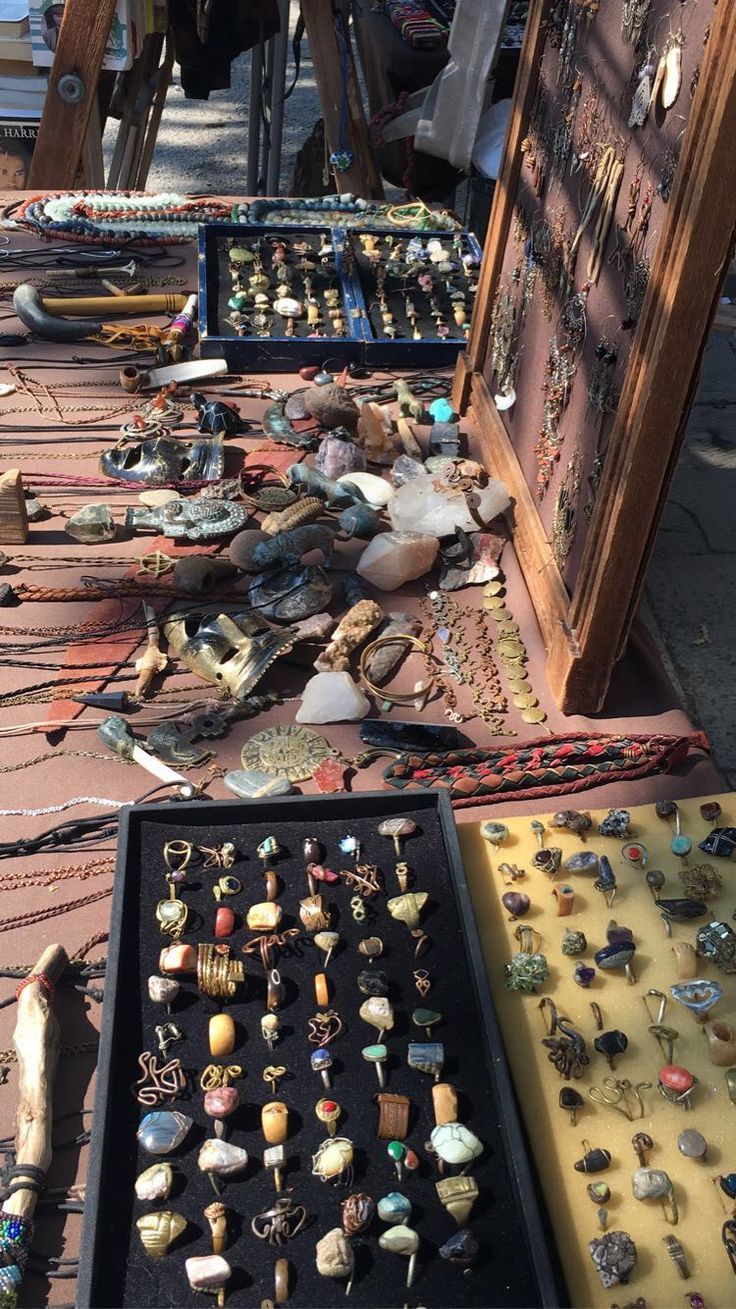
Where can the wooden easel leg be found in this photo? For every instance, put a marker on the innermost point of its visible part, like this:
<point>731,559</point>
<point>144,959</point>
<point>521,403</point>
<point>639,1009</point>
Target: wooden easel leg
<point>362,177</point>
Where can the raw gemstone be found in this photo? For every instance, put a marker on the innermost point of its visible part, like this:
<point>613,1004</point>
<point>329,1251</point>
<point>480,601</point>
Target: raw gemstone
<point>207,1271</point>
<point>394,1208</point>
<point>163,990</point>
<point>461,1248</point>
<point>650,1184</point>
<point>380,665</point>
<point>681,846</point>
<point>375,490</point>
<point>710,812</point>
<point>222,1101</point>
<point>334,1253</point>
<point>698,996</point>
<point>482,566</point>
<point>163,1130</point>
<point>444,442</point>
<point>615,955</point>
<point>399,1240</point>
<point>615,823</point>
<point>393,558</point>
<point>582,861</point>
<point>332,698</point>
<point>583,975</point>
<point>251,784</point>
<point>353,629</point>
<point>375,1054</point>
<point>599,1192</point>
<point>378,443</point>
<point>611,1044</point>
<point>427,505</point>
<point>594,1161</point>
<point>444,1103</point>
<point>295,408</point>
<point>332,406</point>
<point>728,1185</point>
<point>378,1011</point>
<point>372,981</point>
<point>159,1231</point>
<point>371,947</point>
<point>721,841</point>
<point>321,873</point>
<point>397,827</point>
<point>91,524</point>
<point>179,958</point>
<point>614,1256</point>
<point>405,468</point>
<point>315,628</point>
<point>682,909</point>
<point>441,411</point>
<point>220,1157</point>
<point>338,455</point>
<point>426,1017</point>
<point>155,1183</point>
<point>454,1143</point>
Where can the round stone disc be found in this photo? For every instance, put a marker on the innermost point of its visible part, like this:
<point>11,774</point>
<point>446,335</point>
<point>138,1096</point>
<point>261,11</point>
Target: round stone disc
<point>533,715</point>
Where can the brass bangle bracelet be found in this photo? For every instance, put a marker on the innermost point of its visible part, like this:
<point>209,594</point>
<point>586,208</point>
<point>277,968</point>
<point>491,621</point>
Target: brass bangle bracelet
<point>396,697</point>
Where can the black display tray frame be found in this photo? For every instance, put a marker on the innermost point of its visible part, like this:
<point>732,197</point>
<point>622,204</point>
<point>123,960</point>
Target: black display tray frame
<point>92,1291</point>
<point>287,354</point>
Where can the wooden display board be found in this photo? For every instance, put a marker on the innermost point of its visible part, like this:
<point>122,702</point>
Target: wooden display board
<point>587,502</point>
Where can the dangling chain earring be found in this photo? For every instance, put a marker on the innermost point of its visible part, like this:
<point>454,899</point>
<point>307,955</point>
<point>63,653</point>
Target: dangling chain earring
<point>562,140</point>
<point>644,93</point>
<point>564,518</point>
<point>560,370</point>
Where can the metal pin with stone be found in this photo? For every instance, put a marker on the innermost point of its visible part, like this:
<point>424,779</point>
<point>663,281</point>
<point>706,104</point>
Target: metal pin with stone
<point>376,1055</point>
<point>274,1158</point>
<point>404,1241</point>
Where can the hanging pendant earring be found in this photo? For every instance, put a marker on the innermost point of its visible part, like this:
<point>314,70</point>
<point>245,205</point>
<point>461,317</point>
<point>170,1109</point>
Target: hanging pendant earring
<point>672,72</point>
<point>642,100</point>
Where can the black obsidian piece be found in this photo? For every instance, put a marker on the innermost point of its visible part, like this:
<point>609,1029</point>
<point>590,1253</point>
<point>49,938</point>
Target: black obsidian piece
<point>461,1248</point>
<point>682,909</point>
<point>409,736</point>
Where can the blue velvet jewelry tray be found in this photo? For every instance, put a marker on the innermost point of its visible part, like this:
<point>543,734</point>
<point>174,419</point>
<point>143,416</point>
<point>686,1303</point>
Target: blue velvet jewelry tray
<point>350,272</point>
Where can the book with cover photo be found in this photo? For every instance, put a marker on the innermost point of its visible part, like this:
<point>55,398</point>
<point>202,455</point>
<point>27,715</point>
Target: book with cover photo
<point>45,20</point>
<point>17,142</point>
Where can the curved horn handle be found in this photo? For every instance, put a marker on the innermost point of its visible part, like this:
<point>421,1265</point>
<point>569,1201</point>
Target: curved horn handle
<point>28,307</point>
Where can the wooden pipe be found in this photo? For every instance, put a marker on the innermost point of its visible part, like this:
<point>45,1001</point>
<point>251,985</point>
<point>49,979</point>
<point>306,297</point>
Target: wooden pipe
<point>79,306</point>
<point>40,314</point>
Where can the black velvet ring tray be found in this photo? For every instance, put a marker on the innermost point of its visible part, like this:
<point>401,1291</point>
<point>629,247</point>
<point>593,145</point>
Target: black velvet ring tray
<point>516,1266</point>
<point>365,341</point>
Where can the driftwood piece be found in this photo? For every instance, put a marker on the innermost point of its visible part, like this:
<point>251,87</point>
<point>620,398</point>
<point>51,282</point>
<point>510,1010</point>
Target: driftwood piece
<point>36,1041</point>
<point>13,515</point>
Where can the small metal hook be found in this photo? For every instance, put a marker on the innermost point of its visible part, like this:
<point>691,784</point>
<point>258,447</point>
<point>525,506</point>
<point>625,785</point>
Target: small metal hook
<point>658,995</point>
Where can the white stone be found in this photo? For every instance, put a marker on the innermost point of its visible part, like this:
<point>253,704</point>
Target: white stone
<point>393,558</point>
<point>376,491</point>
<point>316,628</point>
<point>154,1183</point>
<point>158,496</point>
<point>250,784</point>
<point>423,505</point>
<point>216,1156</point>
<point>332,698</point>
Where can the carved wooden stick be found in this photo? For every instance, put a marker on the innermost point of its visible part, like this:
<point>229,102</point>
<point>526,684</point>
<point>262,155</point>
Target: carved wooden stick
<point>36,1040</point>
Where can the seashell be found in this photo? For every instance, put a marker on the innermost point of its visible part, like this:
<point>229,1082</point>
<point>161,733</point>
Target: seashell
<point>159,1231</point>
<point>155,1183</point>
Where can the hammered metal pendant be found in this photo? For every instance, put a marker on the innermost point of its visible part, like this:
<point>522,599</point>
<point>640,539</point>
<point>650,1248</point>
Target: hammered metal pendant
<point>286,751</point>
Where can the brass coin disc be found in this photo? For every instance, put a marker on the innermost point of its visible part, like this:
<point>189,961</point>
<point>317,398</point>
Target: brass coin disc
<point>510,648</point>
<point>493,588</point>
<point>519,686</point>
<point>494,602</point>
<point>499,615</point>
<point>526,700</point>
<point>533,715</point>
<point>508,629</point>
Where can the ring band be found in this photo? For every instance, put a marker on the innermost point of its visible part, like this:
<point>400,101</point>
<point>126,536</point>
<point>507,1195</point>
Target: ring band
<point>180,852</point>
<point>677,1255</point>
<point>281,1281</point>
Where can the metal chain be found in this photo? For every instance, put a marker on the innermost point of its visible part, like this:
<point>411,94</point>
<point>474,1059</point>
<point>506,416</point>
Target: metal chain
<point>51,911</point>
<point>54,754</point>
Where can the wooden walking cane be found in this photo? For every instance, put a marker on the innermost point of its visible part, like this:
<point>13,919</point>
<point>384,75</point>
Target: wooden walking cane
<point>36,1041</point>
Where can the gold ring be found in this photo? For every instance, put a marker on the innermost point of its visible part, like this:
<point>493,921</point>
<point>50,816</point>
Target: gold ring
<point>180,851</point>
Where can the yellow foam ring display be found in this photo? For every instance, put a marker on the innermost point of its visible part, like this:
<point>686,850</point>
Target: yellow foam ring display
<point>555,1142</point>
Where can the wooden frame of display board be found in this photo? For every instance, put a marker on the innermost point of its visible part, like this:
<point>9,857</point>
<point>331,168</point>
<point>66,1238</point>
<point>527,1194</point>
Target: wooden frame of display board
<point>585,623</point>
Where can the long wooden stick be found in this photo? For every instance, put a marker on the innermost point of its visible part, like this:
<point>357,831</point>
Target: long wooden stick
<point>36,1040</point>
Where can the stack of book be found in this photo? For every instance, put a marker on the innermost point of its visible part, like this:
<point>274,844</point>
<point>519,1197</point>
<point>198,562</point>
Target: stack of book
<point>22,93</point>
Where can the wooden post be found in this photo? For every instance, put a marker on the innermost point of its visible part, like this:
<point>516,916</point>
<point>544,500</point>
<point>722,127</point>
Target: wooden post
<point>13,516</point>
<point>36,1040</point>
<point>85,29</point>
<point>362,177</point>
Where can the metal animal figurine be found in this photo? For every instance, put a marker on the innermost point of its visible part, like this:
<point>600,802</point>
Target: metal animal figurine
<point>335,494</point>
<point>277,426</point>
<point>287,548</point>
